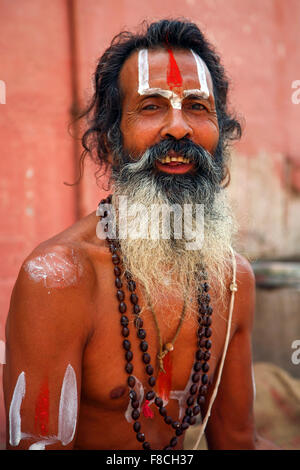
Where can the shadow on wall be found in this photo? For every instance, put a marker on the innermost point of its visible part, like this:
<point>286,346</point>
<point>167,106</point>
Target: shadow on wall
<point>276,334</point>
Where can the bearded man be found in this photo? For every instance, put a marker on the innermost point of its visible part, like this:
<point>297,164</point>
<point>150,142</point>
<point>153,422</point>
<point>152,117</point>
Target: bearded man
<point>119,337</point>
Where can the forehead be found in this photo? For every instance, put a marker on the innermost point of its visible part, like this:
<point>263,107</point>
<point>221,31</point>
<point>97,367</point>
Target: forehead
<point>158,63</point>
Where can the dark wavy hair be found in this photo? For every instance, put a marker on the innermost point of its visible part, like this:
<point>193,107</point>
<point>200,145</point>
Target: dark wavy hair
<point>105,109</point>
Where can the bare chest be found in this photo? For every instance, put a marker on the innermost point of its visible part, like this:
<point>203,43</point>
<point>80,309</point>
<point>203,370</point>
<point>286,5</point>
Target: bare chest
<point>123,353</point>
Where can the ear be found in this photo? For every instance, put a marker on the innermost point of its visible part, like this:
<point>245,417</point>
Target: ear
<point>109,159</point>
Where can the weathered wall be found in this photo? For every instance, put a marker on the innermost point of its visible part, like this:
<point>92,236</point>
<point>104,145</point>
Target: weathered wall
<point>36,150</point>
<point>48,52</point>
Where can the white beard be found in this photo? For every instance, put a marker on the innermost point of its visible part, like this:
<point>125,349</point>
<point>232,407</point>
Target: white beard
<point>166,267</point>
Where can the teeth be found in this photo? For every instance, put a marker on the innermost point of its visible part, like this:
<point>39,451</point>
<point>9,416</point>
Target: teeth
<point>180,159</point>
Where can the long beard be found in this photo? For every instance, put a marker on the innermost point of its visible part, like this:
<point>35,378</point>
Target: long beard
<point>167,267</point>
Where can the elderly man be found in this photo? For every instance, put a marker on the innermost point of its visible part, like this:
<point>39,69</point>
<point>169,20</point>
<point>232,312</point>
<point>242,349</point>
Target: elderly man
<point>119,337</point>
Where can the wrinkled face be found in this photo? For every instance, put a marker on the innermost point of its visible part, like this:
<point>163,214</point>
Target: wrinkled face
<point>167,94</point>
<point>168,158</point>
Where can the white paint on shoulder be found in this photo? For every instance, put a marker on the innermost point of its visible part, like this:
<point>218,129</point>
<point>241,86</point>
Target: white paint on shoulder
<point>54,269</point>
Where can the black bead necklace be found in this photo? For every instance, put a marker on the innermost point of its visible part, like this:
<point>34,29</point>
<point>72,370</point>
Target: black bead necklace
<point>199,387</point>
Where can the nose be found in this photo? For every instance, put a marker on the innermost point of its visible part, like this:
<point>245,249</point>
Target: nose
<point>176,125</point>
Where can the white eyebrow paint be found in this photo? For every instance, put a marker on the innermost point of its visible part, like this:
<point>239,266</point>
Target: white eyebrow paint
<point>174,98</point>
<point>15,433</point>
<point>54,269</point>
<point>176,101</point>
<point>68,407</point>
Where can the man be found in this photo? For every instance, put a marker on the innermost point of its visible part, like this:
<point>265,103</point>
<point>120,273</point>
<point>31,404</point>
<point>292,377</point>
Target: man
<point>116,343</point>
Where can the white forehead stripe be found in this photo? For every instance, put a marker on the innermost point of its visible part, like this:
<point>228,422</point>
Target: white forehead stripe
<point>143,71</point>
<point>201,74</point>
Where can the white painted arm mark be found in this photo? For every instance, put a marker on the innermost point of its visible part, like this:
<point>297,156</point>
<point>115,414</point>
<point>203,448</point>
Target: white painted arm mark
<point>68,407</point>
<point>67,418</point>
<point>15,433</point>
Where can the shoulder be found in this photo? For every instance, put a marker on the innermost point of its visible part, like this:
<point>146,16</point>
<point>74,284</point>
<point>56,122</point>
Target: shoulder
<point>244,272</point>
<point>245,293</point>
<point>64,261</point>
<point>56,266</point>
<point>56,282</point>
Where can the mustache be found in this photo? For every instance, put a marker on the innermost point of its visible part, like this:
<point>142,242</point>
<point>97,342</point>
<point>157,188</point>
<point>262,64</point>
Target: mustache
<point>204,162</point>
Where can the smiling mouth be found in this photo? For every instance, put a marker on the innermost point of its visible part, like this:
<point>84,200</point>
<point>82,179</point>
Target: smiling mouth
<point>172,160</point>
<point>174,164</point>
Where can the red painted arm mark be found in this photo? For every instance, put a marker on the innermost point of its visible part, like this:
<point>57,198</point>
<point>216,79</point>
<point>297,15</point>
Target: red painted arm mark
<point>42,410</point>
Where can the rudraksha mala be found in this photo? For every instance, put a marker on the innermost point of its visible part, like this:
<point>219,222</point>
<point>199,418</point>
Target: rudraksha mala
<point>199,387</point>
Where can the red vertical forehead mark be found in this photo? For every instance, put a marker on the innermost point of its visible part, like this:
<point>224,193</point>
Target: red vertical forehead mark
<point>42,410</point>
<point>174,78</point>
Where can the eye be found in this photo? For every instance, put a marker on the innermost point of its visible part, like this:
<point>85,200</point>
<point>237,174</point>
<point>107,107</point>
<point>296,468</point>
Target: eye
<point>150,107</point>
<point>198,107</point>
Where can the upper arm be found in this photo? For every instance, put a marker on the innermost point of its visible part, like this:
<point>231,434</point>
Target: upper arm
<point>231,425</point>
<point>46,331</point>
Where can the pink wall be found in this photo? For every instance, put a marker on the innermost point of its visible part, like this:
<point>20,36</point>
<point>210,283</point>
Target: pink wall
<point>258,42</point>
<point>48,53</point>
<point>36,150</point>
